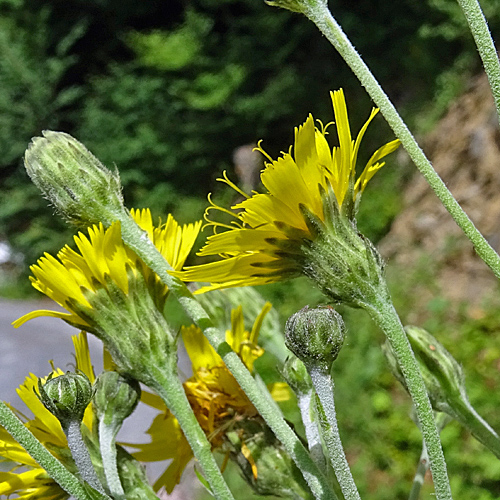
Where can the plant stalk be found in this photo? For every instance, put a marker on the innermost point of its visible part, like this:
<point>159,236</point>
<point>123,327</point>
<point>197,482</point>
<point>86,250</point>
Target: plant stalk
<point>55,469</point>
<point>165,381</point>
<point>485,45</point>
<point>324,386</point>
<point>480,429</point>
<point>383,313</point>
<point>442,419</point>
<point>319,14</point>
<point>136,239</point>
<point>81,455</point>
<point>418,480</point>
<point>107,446</point>
<point>304,401</point>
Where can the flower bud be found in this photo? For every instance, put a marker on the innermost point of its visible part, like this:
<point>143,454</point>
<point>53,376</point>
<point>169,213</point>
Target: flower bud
<point>265,464</point>
<point>315,335</point>
<point>66,396</point>
<point>301,6</point>
<point>79,186</point>
<point>296,376</point>
<point>344,264</point>
<point>115,397</point>
<point>438,361</point>
<point>443,376</point>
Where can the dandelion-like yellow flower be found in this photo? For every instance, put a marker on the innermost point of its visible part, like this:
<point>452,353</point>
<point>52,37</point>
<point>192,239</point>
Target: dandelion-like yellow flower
<point>33,483</point>
<point>217,400</point>
<point>110,292</point>
<point>73,277</point>
<point>263,242</point>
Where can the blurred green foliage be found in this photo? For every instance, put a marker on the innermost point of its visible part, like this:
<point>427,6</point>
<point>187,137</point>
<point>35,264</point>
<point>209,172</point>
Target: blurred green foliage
<point>382,442</point>
<point>168,89</point>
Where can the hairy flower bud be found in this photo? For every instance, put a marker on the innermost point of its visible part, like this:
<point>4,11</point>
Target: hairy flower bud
<point>79,186</point>
<point>115,398</point>
<point>343,263</point>
<point>315,335</point>
<point>442,374</point>
<point>66,396</point>
<point>265,464</point>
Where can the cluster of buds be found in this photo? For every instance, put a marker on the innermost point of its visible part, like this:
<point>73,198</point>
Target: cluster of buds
<point>113,398</point>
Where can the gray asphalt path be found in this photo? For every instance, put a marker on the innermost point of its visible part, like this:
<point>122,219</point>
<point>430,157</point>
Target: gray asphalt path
<point>28,348</point>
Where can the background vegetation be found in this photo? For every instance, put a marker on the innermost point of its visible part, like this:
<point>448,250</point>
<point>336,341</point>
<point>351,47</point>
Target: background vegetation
<point>168,89</point>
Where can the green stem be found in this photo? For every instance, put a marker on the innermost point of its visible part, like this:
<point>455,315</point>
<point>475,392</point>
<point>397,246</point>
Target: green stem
<point>81,455</point>
<point>304,402</point>
<point>442,419</point>
<point>165,381</point>
<point>134,479</point>
<point>107,446</point>
<point>383,313</point>
<point>318,13</point>
<point>418,481</point>
<point>136,239</point>
<point>55,469</point>
<point>480,429</point>
<point>324,386</point>
<point>485,45</point>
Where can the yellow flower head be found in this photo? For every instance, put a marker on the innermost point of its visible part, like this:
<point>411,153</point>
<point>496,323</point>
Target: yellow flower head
<point>262,244</point>
<point>74,276</point>
<point>33,483</point>
<point>216,398</point>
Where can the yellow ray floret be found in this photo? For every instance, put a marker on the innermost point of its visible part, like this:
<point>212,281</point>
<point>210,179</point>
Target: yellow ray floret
<point>33,482</point>
<point>215,396</point>
<point>73,276</point>
<point>262,243</point>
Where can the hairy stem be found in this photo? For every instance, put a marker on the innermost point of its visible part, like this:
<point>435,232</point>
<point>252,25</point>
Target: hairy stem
<point>107,446</point>
<point>304,401</point>
<point>81,455</point>
<point>383,313</point>
<point>442,419</point>
<point>318,13</point>
<point>55,469</point>
<point>485,45</point>
<point>165,381</point>
<point>418,480</point>
<point>323,384</point>
<point>480,429</point>
<point>136,239</point>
